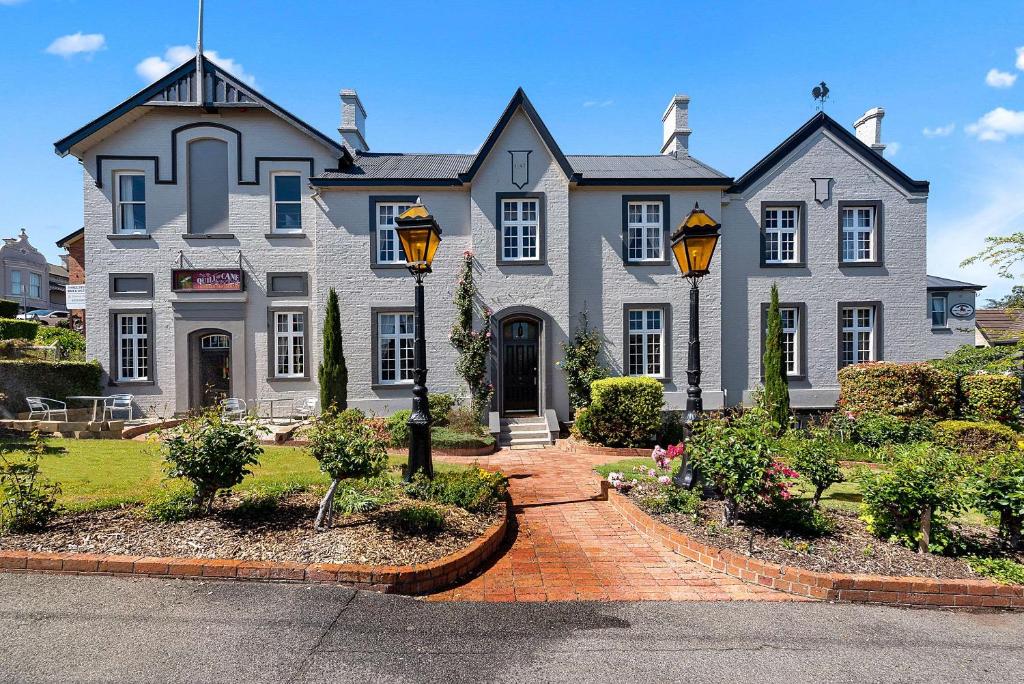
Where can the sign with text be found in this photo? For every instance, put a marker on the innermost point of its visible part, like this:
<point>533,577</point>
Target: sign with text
<point>74,296</point>
<point>207,280</point>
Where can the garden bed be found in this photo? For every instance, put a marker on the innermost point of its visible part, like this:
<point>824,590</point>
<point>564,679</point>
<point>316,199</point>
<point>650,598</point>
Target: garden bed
<point>281,533</point>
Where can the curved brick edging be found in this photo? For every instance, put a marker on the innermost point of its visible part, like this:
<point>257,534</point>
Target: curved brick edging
<point>573,446</point>
<point>400,579</point>
<point>831,586</point>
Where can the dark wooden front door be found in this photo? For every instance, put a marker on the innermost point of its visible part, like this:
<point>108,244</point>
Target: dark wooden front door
<point>213,370</point>
<point>519,371</point>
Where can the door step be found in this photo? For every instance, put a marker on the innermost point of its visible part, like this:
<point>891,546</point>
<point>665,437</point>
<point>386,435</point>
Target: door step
<point>525,432</point>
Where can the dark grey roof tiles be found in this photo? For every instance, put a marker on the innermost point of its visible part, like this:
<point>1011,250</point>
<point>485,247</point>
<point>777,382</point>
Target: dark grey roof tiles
<point>396,165</point>
<point>640,166</point>
<point>937,283</point>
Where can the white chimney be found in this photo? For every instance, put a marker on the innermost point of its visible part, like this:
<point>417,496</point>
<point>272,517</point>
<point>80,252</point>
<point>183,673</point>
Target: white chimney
<point>353,122</point>
<point>869,129</point>
<point>675,126</point>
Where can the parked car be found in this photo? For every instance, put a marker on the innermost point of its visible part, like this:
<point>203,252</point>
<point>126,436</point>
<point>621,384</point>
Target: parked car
<point>33,314</point>
<point>54,318</point>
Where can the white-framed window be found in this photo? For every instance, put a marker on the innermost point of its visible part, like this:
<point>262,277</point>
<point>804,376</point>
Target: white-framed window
<point>130,188</point>
<point>132,347</point>
<point>790,316</point>
<point>16,283</point>
<point>858,234</point>
<point>287,202</point>
<point>216,342</point>
<point>646,342</point>
<point>858,334</point>
<point>396,334</point>
<point>520,229</point>
<point>781,235</point>
<point>938,310</point>
<point>35,285</point>
<point>389,247</point>
<point>644,229</point>
<point>290,344</point>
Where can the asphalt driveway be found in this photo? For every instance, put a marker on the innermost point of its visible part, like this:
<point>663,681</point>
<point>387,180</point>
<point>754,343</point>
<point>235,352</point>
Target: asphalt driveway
<point>83,629</point>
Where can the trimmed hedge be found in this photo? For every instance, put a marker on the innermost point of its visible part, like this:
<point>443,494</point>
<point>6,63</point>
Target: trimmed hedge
<point>8,309</point>
<point>970,437</point>
<point>623,412</point>
<point>902,390</point>
<point>444,438</point>
<point>71,343</point>
<point>51,379</point>
<point>17,329</point>
<point>989,397</point>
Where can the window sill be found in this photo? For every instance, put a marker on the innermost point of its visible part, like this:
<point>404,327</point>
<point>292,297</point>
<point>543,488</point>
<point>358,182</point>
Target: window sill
<point>209,236</point>
<point>131,383</point>
<point>941,329</point>
<point>274,378</point>
<point>388,266</point>
<point>521,262</point>
<point>285,236</point>
<point>783,264</point>
<point>391,385</point>
<point>662,380</point>
<point>646,262</point>
<point>129,236</point>
<point>860,264</point>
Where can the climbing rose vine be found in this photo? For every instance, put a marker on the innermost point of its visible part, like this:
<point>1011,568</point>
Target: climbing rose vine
<point>474,346</point>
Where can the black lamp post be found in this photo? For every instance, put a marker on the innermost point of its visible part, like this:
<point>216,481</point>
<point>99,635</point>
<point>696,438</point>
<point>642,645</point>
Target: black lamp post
<point>420,235</point>
<point>693,245</point>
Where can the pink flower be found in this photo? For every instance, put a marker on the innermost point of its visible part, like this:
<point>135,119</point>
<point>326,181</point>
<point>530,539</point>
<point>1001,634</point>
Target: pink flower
<point>652,472</point>
<point>676,450</point>
<point>664,480</point>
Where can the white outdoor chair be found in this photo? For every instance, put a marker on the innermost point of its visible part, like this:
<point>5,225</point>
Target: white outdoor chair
<point>46,408</point>
<point>233,408</point>
<point>304,408</point>
<point>118,403</point>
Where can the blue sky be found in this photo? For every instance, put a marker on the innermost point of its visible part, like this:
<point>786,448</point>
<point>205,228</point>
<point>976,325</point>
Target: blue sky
<point>435,76</point>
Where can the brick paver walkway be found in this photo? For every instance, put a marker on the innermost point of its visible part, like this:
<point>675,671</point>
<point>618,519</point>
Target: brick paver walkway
<point>570,546</point>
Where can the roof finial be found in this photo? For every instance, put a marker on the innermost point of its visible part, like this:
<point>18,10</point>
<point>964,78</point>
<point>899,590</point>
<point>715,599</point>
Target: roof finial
<point>820,94</point>
<point>199,58</point>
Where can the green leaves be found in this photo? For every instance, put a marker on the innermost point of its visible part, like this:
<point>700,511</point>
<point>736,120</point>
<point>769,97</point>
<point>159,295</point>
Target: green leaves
<point>333,372</point>
<point>27,502</point>
<point>474,346</point>
<point>623,412</point>
<point>988,396</point>
<point>580,364</point>
<point>346,446</point>
<point>775,397</point>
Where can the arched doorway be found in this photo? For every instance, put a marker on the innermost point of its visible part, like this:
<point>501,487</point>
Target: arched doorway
<point>520,365</point>
<point>210,367</point>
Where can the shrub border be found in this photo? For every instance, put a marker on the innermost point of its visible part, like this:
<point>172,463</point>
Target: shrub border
<point>390,579</point>
<point>827,586</point>
<point>574,446</point>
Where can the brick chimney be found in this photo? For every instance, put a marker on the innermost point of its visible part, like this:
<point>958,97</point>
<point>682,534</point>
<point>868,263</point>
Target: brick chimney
<point>869,129</point>
<point>353,122</point>
<point>676,126</point>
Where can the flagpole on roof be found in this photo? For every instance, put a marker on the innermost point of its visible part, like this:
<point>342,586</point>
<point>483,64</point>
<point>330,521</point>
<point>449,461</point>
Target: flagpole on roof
<point>199,58</point>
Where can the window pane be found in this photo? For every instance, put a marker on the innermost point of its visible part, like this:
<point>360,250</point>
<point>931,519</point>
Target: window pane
<point>289,216</point>
<point>133,218</point>
<point>132,188</point>
<point>286,188</point>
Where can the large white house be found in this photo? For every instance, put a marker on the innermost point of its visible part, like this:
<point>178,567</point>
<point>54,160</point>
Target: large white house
<point>216,222</point>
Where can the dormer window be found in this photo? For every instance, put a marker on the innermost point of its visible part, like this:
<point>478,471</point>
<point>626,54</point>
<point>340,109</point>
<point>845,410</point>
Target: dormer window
<point>287,203</point>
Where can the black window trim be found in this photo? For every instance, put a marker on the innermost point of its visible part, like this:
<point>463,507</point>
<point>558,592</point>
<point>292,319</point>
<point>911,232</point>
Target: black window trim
<point>878,236</point>
<point>945,309</point>
<point>307,360</point>
<point>374,201</point>
<point>877,341</point>
<point>375,381</point>
<point>801,332</point>
<point>114,293</point>
<point>666,317</point>
<point>542,229</point>
<point>115,349</point>
<point>665,214</point>
<point>801,237</point>
<point>272,293</point>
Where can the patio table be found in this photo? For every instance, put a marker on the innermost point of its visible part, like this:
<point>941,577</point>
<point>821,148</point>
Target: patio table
<point>95,399</point>
<point>273,413</point>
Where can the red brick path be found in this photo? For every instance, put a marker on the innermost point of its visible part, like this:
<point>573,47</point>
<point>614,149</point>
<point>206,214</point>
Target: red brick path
<point>570,546</point>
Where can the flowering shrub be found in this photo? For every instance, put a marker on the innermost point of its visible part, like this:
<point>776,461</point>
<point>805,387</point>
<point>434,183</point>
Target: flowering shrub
<point>901,390</point>
<point>474,346</point>
<point>987,396</point>
<point>580,363</point>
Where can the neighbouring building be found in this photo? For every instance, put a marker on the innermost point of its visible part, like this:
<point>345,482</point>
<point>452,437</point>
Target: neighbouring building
<point>216,222</point>
<point>27,278</point>
<point>73,245</point>
<point>999,326</point>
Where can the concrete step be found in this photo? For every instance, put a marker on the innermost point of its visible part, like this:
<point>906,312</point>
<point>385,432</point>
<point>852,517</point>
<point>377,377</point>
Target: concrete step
<point>528,447</point>
<point>533,441</point>
<point>526,434</point>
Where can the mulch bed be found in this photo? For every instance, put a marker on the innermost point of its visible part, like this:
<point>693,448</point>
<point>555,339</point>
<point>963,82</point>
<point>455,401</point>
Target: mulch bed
<point>850,549</point>
<point>281,534</point>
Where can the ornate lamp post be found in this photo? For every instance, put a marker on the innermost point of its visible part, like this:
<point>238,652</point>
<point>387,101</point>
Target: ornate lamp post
<point>420,235</point>
<point>693,245</point>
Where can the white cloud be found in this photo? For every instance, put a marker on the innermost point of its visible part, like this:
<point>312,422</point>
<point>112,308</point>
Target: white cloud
<point>997,125</point>
<point>893,148</point>
<point>598,103</point>
<point>1020,58</point>
<point>77,44</point>
<point>1000,79</point>
<point>938,131</point>
<point>153,68</point>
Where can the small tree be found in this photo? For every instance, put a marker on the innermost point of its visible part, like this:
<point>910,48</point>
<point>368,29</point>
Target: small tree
<point>817,460</point>
<point>1000,491</point>
<point>775,397</point>
<point>212,454</point>
<point>580,363</point>
<point>474,346</point>
<point>333,373</point>
<point>345,445</point>
<point>27,501</point>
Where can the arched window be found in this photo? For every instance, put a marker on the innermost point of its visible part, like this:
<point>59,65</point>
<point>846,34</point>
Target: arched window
<point>207,186</point>
<point>215,342</point>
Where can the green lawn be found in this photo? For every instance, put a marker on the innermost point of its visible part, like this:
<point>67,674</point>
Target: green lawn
<point>97,474</point>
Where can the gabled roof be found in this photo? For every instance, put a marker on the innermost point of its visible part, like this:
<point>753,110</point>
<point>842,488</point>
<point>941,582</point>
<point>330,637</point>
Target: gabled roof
<point>71,237</point>
<point>818,122</point>
<point>178,89</point>
<point>395,168</point>
<point>1000,326</point>
<point>937,283</point>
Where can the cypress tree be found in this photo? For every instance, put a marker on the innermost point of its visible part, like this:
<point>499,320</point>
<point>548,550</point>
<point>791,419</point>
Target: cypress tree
<point>775,397</point>
<point>333,373</point>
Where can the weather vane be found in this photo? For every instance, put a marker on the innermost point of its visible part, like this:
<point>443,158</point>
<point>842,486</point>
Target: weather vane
<point>820,94</point>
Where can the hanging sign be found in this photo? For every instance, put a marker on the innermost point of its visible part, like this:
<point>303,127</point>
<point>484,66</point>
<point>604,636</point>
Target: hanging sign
<point>74,296</point>
<point>962,310</point>
<point>208,280</point>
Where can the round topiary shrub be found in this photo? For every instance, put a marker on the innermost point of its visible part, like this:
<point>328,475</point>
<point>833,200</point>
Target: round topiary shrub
<point>623,412</point>
<point>901,390</point>
<point>398,428</point>
<point>988,397</point>
<point>971,437</point>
